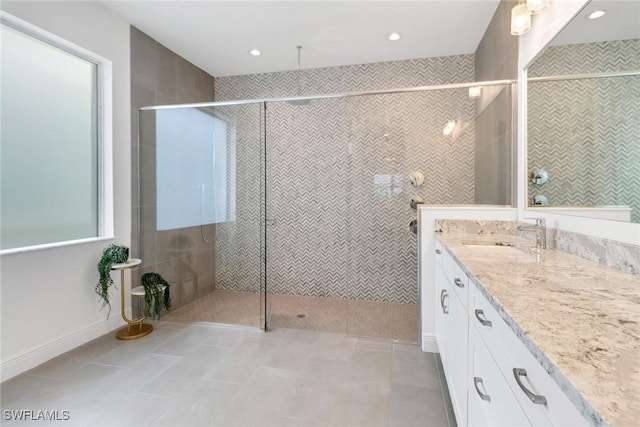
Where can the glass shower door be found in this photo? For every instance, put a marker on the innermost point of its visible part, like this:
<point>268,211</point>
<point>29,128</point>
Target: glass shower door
<point>201,209</point>
<point>307,236</point>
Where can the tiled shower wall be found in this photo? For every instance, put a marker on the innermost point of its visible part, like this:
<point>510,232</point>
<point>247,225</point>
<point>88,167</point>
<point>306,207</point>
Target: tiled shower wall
<point>584,133</point>
<point>337,175</point>
<point>160,77</point>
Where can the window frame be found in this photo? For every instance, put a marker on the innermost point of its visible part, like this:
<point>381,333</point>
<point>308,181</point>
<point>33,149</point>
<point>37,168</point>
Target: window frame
<point>104,128</point>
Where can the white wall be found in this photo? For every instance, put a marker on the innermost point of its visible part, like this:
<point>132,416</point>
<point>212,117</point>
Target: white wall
<point>48,300</point>
<point>543,29</point>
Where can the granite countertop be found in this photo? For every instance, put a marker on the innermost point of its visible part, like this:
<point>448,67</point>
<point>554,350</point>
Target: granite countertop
<point>580,319</point>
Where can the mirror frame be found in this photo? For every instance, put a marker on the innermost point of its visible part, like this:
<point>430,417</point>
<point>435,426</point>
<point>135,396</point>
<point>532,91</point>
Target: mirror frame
<point>544,29</point>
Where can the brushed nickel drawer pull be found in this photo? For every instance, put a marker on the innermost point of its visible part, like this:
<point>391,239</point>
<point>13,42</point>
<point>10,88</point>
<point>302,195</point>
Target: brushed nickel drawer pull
<point>458,283</point>
<point>443,295</point>
<point>535,398</point>
<point>476,381</point>
<point>482,319</point>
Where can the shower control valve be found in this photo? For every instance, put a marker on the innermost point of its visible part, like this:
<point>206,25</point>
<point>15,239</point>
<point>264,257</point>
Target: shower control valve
<point>416,179</point>
<point>415,201</point>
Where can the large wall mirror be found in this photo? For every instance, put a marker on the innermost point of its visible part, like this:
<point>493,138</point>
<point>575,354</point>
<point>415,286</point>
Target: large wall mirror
<point>583,116</point>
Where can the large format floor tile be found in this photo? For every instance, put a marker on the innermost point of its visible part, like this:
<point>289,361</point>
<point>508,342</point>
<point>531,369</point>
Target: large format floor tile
<point>209,375</point>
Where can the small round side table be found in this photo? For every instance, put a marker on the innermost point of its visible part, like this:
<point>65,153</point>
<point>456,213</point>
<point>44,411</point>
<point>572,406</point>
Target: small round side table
<point>135,327</point>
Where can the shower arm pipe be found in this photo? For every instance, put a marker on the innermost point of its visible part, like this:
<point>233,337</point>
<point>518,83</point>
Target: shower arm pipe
<point>336,95</point>
<point>298,70</point>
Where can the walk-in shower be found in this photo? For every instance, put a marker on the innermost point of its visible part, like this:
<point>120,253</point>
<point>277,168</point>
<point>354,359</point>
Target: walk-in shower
<point>270,213</point>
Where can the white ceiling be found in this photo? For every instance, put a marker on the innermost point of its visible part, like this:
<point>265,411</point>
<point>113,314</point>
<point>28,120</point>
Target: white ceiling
<point>217,35</point>
<point>621,22</point>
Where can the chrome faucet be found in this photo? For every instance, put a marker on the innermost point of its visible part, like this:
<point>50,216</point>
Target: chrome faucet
<point>540,230</point>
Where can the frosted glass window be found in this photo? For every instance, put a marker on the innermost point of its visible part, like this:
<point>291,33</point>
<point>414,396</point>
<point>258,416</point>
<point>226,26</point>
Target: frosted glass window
<point>192,168</point>
<point>49,143</point>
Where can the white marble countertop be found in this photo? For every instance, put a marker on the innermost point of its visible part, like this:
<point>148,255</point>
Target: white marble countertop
<point>580,319</point>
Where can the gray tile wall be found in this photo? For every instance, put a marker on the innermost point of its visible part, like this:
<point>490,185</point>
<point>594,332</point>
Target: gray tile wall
<point>584,133</point>
<point>352,78</point>
<point>159,77</point>
<point>338,232</point>
<point>496,58</point>
<point>239,244</point>
<point>586,58</point>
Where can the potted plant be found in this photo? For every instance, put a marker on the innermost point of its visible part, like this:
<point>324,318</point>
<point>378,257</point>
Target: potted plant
<point>156,294</point>
<point>156,289</point>
<point>112,254</point>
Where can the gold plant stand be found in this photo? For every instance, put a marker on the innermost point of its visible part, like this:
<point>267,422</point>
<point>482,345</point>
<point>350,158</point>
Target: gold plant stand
<point>135,328</point>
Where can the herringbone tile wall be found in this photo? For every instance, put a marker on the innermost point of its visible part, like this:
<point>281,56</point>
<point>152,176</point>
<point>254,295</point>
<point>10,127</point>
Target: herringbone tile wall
<point>352,78</point>
<point>239,244</point>
<point>585,132</point>
<point>604,57</point>
<point>337,170</point>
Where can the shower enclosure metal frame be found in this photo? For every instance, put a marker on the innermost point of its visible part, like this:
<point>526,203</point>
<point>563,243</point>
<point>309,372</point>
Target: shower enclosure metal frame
<point>334,95</point>
<point>263,102</point>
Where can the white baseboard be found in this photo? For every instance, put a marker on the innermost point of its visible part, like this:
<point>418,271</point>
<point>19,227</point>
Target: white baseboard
<point>38,355</point>
<point>429,343</point>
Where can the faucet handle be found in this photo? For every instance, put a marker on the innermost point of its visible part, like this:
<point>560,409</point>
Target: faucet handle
<point>540,222</point>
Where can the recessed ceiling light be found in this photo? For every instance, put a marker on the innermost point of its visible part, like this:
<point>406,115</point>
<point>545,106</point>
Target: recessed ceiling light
<point>394,36</point>
<point>597,14</point>
<point>255,52</point>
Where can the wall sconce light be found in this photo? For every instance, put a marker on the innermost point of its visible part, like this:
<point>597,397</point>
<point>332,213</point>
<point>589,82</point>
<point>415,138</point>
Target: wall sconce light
<point>450,127</point>
<point>520,19</point>
<point>475,92</point>
<point>521,15</point>
<point>536,6</point>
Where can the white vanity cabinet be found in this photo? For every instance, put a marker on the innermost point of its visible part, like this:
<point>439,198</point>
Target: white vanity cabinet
<point>442,316</point>
<point>452,323</point>
<point>493,378</point>
<point>543,402</point>
<point>491,400</point>
<point>443,309</point>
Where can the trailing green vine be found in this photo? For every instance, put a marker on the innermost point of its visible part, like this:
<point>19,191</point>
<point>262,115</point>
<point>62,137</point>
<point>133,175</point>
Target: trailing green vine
<point>112,254</point>
<point>154,296</point>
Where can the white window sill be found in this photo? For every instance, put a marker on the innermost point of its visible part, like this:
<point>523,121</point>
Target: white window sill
<point>54,245</point>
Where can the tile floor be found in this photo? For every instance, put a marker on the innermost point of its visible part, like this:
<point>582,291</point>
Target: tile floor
<point>221,306</point>
<point>362,318</point>
<point>190,375</point>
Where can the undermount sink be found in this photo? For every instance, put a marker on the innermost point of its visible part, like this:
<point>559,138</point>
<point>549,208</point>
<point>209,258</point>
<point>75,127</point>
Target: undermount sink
<point>501,247</point>
<point>496,244</point>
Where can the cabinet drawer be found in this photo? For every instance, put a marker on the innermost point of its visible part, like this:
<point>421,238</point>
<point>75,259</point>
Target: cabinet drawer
<point>458,279</point>
<point>514,360</point>
<point>534,380</point>
<point>458,359</point>
<point>490,397</point>
<point>488,322</point>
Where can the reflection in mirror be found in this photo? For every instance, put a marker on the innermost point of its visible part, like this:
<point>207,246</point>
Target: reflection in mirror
<point>583,113</point>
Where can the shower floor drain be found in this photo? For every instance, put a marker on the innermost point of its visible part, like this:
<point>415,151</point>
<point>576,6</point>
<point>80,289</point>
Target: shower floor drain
<point>301,316</point>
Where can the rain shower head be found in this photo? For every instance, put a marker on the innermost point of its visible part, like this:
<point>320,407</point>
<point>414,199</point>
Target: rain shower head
<point>299,101</point>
